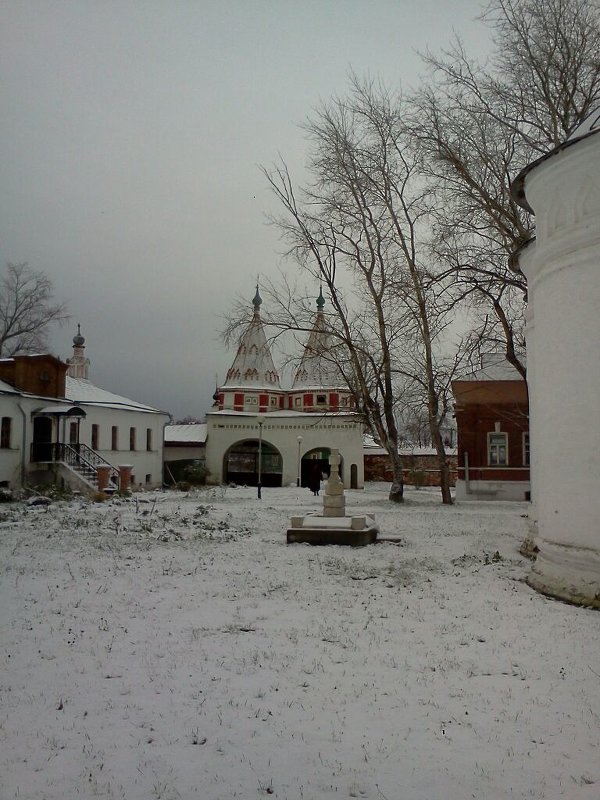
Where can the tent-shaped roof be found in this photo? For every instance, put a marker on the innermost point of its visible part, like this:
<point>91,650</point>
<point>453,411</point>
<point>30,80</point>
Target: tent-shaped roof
<point>317,368</point>
<point>253,366</point>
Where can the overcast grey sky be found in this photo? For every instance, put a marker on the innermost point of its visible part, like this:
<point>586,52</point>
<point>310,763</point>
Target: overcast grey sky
<point>130,134</point>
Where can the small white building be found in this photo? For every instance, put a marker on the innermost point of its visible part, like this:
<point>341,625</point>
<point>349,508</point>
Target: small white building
<point>57,426</point>
<point>293,429</point>
<point>184,444</point>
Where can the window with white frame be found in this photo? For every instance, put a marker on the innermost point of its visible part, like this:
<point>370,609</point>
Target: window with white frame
<point>497,449</point>
<point>251,400</point>
<point>526,448</point>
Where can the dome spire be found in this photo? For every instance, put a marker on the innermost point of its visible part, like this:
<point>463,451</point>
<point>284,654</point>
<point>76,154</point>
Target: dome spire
<point>320,299</point>
<point>78,365</point>
<point>78,340</point>
<point>257,301</point>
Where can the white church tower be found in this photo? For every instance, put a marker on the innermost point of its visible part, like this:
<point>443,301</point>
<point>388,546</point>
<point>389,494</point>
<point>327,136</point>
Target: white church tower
<point>79,365</point>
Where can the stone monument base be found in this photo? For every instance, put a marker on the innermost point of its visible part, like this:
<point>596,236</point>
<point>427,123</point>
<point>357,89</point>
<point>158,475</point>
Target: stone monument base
<point>353,531</point>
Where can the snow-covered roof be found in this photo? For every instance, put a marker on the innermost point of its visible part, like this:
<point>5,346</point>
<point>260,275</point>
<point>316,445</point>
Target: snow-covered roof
<point>494,367</point>
<point>186,434</point>
<point>589,127</point>
<point>591,124</point>
<point>64,410</point>
<point>373,448</point>
<point>81,391</point>
<point>6,387</point>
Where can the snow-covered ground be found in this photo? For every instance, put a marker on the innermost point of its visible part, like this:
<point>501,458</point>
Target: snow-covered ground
<point>173,646</point>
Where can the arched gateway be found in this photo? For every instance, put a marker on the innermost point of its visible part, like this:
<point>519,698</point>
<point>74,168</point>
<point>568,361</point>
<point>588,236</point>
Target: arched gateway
<point>240,464</point>
<point>316,459</point>
<point>297,426</point>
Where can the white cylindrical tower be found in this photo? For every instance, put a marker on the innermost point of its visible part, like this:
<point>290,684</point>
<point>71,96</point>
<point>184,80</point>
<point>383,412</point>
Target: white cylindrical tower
<point>563,274</point>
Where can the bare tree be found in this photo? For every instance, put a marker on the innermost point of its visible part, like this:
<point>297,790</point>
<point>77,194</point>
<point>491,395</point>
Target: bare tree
<point>479,124</point>
<point>26,310</point>
<point>357,229</point>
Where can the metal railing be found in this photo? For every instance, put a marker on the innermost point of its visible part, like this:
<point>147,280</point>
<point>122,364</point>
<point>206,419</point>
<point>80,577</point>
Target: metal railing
<point>76,456</point>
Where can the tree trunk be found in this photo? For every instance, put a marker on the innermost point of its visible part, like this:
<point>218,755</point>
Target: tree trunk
<point>438,443</point>
<point>445,481</point>
<point>444,468</point>
<point>396,494</point>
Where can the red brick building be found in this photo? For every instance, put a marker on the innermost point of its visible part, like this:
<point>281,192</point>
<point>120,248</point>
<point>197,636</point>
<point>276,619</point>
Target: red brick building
<point>492,416</point>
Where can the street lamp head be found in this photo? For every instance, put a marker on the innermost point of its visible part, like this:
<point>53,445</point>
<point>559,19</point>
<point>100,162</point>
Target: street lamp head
<point>299,440</point>
<point>260,419</point>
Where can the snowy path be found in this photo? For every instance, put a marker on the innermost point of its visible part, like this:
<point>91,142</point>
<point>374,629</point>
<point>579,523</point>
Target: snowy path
<point>178,648</point>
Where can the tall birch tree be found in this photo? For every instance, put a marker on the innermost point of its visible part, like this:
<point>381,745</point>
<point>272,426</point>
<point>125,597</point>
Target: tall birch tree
<point>359,227</point>
<point>480,124</point>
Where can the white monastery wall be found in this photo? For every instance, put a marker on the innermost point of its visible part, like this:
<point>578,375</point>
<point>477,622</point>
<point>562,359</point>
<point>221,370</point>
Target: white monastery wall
<point>332,431</point>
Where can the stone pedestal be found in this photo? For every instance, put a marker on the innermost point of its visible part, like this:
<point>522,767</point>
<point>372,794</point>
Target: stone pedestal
<point>333,526</point>
<point>103,476</point>
<point>125,471</point>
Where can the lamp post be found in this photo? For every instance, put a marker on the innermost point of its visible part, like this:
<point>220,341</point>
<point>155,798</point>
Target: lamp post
<point>299,461</point>
<point>260,419</point>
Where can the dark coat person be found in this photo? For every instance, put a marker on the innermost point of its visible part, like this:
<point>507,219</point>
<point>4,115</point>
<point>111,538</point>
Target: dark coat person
<point>314,479</point>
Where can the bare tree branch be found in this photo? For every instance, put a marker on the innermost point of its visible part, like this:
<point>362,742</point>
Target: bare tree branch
<point>26,310</point>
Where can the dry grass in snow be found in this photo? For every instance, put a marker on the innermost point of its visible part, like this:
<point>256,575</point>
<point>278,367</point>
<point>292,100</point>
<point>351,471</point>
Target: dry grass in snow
<point>173,646</point>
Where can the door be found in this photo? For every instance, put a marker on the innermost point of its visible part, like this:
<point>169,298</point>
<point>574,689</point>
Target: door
<point>42,439</point>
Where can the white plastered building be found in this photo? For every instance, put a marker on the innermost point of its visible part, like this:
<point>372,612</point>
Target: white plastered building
<point>57,426</point>
<point>294,429</point>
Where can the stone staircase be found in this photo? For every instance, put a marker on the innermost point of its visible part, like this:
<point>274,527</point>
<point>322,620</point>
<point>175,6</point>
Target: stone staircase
<point>79,464</point>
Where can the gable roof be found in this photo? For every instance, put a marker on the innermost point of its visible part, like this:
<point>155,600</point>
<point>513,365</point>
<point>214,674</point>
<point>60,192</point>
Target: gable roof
<point>186,434</point>
<point>494,367</point>
<point>83,392</point>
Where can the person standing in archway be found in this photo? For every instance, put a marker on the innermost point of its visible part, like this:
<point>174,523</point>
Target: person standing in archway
<point>314,478</point>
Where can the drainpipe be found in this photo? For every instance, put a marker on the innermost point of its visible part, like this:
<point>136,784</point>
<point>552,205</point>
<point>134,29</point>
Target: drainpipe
<point>467,481</point>
<point>23,444</point>
<point>163,463</point>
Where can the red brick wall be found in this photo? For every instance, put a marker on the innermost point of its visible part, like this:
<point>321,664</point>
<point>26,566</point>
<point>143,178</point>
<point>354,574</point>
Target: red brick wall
<point>480,405</point>
<point>378,468</point>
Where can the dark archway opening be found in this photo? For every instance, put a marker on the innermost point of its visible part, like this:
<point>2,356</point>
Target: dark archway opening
<point>316,460</point>
<point>240,464</point>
